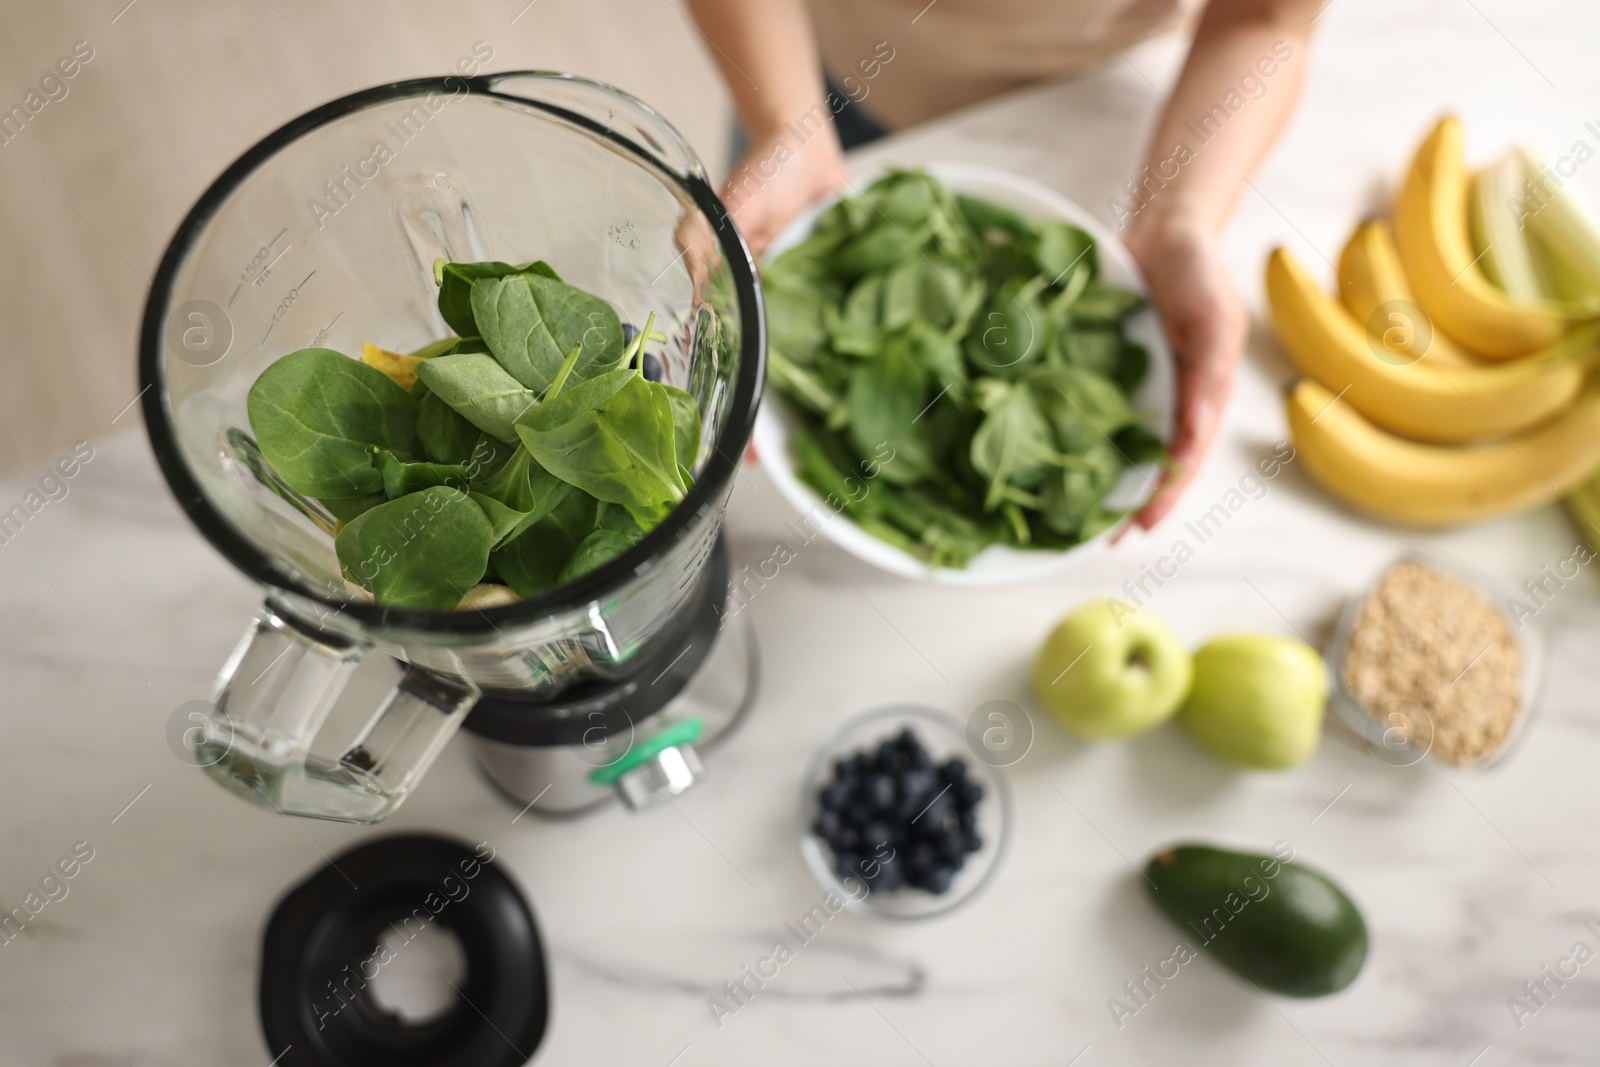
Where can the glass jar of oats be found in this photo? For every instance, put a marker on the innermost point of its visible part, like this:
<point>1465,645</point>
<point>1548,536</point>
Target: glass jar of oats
<point>1432,662</point>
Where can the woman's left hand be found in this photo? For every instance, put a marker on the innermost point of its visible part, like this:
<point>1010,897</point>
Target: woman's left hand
<point>1205,323</point>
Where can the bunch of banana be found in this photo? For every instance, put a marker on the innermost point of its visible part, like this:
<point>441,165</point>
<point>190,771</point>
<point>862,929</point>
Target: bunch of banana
<point>1432,232</point>
<point>1398,419</point>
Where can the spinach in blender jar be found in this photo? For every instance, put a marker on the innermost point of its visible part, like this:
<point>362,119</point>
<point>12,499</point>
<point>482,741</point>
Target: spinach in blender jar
<point>527,450</point>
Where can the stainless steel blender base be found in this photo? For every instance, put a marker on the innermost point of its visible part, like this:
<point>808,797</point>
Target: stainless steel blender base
<point>555,780</point>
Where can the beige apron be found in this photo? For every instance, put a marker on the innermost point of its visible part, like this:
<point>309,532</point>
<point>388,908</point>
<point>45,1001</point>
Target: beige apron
<point>950,53</point>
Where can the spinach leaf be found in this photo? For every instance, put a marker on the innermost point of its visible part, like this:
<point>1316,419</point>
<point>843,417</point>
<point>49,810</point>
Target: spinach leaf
<point>1132,367</point>
<point>989,218</point>
<point>531,323</point>
<point>424,550</point>
<point>1071,494</point>
<point>596,550</point>
<point>824,463</point>
<point>442,347</point>
<point>401,478</point>
<point>531,562</point>
<point>923,290</point>
<point>940,354</point>
<point>1101,304</point>
<point>887,394</point>
<point>455,288</point>
<point>1013,446</point>
<point>445,436</point>
<point>612,437</point>
<point>685,426</point>
<point>616,518</point>
<point>858,329</point>
<point>315,413</point>
<point>526,488</point>
<point>1061,247</point>
<point>802,385</point>
<point>1093,348</point>
<point>488,456</point>
<point>1014,333</point>
<point>797,322</point>
<point>1084,408</point>
<point>905,197</point>
<point>479,390</point>
<point>879,247</point>
<point>347,508</point>
<point>1139,445</point>
<point>504,522</point>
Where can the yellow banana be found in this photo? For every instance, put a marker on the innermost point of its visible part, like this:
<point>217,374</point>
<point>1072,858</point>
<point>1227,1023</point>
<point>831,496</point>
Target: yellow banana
<point>1433,485</point>
<point>401,369</point>
<point>1370,276</point>
<point>1430,229</point>
<point>1421,400</point>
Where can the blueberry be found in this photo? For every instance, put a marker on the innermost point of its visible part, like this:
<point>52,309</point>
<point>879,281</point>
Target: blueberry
<point>835,796</point>
<point>891,876</point>
<point>937,879</point>
<point>938,812</point>
<point>952,845</point>
<point>967,820</point>
<point>875,834</point>
<point>848,837</point>
<point>652,368</point>
<point>973,841</point>
<point>846,863</point>
<point>968,793</point>
<point>952,770</point>
<point>828,824</point>
<point>919,783</point>
<point>881,793</point>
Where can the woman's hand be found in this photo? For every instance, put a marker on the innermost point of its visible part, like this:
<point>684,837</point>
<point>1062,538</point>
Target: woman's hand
<point>777,179</point>
<point>1205,325</point>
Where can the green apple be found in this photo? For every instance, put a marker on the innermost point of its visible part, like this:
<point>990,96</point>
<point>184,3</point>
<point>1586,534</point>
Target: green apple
<point>1257,700</point>
<point>1107,670</point>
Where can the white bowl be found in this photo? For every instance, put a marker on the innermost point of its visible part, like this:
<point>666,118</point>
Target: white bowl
<point>997,564</point>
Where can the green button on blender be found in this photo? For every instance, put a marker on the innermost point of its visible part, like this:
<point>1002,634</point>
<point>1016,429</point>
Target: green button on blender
<point>686,732</point>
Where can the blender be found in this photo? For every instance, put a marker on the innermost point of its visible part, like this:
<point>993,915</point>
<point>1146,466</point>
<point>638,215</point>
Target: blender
<point>325,234</point>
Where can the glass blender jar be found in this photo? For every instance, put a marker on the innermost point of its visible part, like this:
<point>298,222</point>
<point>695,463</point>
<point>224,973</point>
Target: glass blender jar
<point>325,234</point>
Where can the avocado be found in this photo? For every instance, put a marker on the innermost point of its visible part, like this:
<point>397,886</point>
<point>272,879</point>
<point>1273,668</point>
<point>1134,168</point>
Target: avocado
<point>1277,924</point>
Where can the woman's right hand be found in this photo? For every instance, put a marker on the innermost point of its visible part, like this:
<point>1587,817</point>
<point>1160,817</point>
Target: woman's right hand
<point>777,179</point>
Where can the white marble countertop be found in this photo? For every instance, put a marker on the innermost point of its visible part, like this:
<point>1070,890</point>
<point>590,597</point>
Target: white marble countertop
<point>117,612</point>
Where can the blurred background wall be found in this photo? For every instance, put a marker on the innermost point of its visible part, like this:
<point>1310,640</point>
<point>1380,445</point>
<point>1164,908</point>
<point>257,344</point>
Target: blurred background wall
<point>96,179</point>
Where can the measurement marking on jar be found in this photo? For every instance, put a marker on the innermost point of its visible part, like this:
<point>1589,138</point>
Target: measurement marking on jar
<point>284,306</point>
<point>253,272</point>
<point>322,334</point>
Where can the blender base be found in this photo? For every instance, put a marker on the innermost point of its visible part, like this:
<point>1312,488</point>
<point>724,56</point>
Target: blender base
<point>554,780</point>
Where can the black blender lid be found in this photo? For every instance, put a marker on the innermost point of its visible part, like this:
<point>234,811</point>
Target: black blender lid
<point>319,953</point>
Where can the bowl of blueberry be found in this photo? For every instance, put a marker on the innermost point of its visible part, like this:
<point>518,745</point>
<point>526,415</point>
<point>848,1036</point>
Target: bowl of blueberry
<point>900,820</point>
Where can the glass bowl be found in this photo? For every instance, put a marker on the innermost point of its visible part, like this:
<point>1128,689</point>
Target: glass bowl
<point>943,736</point>
<point>1403,735</point>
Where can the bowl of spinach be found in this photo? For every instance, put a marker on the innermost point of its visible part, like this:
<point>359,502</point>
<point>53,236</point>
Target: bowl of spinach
<point>967,383</point>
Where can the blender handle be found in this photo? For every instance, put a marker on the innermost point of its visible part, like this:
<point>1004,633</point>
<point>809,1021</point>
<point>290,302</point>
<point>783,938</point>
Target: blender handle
<point>274,695</point>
